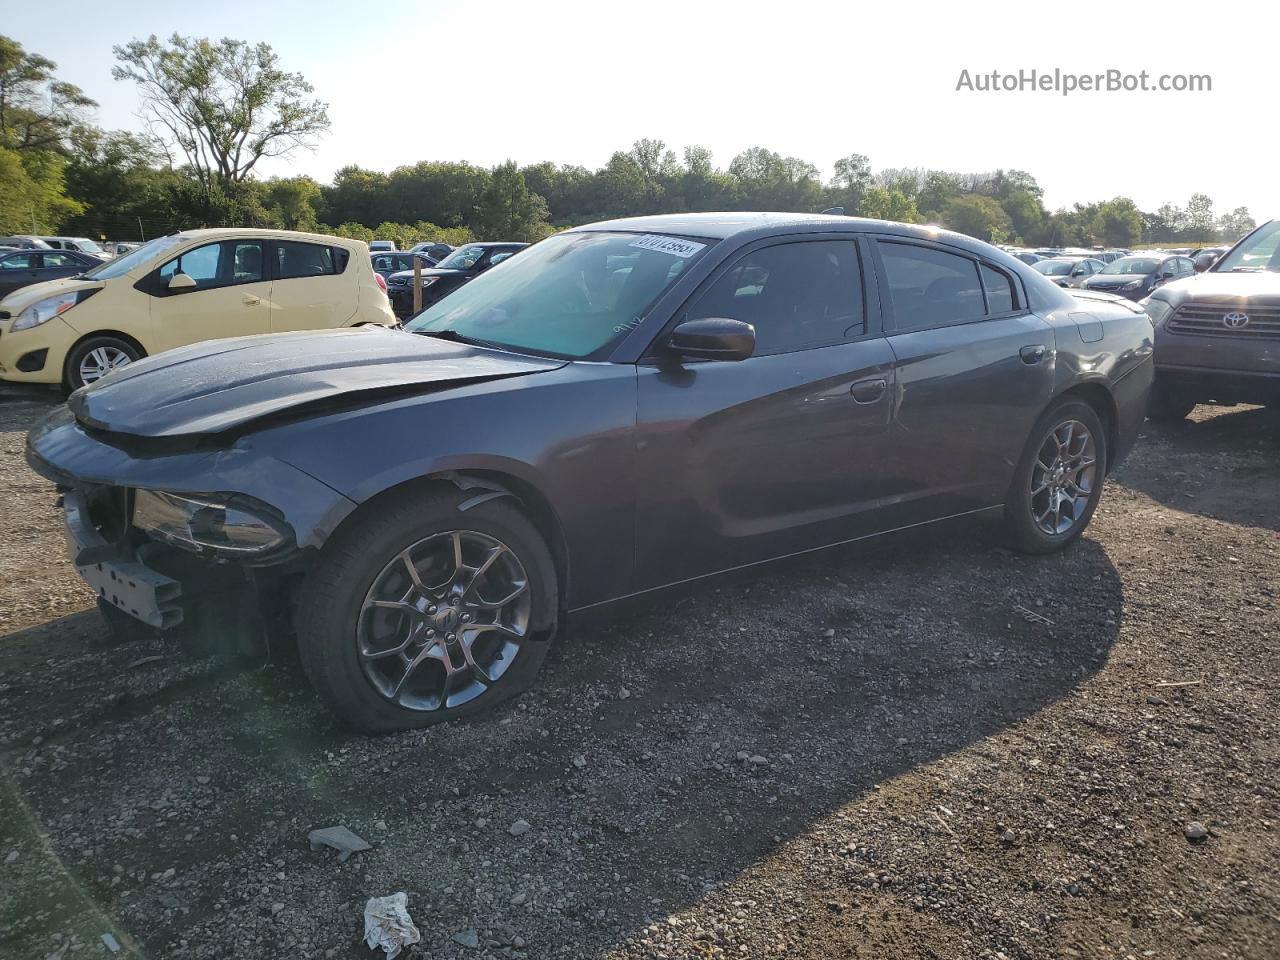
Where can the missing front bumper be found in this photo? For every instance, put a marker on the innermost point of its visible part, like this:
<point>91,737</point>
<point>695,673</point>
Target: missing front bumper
<point>117,578</point>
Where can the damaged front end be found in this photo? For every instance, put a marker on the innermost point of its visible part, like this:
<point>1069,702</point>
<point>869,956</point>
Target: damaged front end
<point>222,565</point>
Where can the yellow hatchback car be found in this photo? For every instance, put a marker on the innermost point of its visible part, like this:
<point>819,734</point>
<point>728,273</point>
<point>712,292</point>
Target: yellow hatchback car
<point>189,286</point>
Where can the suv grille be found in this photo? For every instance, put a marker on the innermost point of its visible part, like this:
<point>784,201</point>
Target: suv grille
<point>1207,320</point>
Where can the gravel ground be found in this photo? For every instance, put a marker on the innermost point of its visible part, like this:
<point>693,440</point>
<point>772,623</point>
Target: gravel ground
<point>931,748</point>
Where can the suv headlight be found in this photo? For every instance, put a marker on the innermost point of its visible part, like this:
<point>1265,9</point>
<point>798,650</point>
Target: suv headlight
<point>42,311</point>
<point>1156,310</point>
<point>228,524</point>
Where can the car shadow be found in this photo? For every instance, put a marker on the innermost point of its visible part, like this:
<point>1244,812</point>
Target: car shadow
<point>658,758</point>
<point>1242,445</point>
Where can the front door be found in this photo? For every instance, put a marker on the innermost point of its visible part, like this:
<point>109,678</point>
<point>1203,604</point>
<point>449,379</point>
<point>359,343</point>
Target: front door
<point>974,370</point>
<point>230,298</point>
<point>779,453</point>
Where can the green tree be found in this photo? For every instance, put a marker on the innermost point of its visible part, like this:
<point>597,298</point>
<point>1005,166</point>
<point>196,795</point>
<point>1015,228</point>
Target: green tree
<point>508,211</point>
<point>1201,224</point>
<point>938,190</point>
<point>37,111</point>
<point>978,216</point>
<point>115,175</point>
<point>293,201</point>
<point>32,194</point>
<point>223,106</point>
<point>1117,223</point>
<point>882,204</point>
<point>1234,225</point>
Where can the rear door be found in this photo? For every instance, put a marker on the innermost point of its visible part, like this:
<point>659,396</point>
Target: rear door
<point>230,299</point>
<point>313,287</point>
<point>974,368</point>
<point>783,451</point>
<point>18,270</point>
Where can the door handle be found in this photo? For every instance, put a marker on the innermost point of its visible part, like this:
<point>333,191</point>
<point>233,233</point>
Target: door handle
<point>250,300</point>
<point>868,391</point>
<point>1033,353</point>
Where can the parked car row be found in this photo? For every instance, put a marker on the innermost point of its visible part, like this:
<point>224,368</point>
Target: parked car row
<point>438,281</point>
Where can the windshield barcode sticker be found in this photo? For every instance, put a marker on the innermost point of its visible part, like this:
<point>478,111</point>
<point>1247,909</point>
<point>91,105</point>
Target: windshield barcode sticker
<point>672,245</point>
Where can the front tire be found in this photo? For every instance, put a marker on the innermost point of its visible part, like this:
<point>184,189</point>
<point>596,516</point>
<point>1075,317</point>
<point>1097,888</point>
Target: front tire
<point>93,358</point>
<point>420,612</point>
<point>1058,480</point>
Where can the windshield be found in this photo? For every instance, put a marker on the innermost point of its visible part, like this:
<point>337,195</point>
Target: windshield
<point>1255,253</point>
<point>88,246</point>
<point>1132,265</point>
<point>1054,268</point>
<point>125,263</point>
<point>572,295</point>
<point>464,258</point>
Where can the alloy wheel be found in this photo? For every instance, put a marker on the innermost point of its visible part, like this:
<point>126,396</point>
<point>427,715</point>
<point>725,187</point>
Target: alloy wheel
<point>1063,478</point>
<point>444,620</point>
<point>100,361</point>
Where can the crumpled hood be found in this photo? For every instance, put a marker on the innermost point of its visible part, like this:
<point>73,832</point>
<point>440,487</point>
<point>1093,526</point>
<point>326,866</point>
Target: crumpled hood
<point>23,297</point>
<point>219,385</point>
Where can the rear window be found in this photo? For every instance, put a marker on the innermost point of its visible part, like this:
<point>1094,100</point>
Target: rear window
<point>930,288</point>
<point>295,259</point>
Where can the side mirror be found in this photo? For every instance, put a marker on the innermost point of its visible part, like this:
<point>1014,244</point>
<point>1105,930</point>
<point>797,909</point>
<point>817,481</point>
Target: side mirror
<point>1205,261</point>
<point>181,281</point>
<point>712,338</point>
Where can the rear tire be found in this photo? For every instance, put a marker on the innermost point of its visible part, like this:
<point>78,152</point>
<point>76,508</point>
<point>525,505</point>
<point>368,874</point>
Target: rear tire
<point>1056,485</point>
<point>377,586</point>
<point>1168,406</point>
<point>93,358</point>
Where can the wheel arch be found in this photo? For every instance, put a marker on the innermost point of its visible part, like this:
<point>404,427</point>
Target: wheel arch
<point>482,485</point>
<point>1097,395</point>
<point>132,341</point>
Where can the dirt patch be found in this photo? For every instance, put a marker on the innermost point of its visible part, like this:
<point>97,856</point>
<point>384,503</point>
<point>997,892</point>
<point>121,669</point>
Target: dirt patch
<point>930,748</point>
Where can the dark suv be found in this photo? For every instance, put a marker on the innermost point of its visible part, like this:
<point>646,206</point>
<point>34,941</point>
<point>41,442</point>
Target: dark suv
<point>1218,334</point>
<point>463,264</point>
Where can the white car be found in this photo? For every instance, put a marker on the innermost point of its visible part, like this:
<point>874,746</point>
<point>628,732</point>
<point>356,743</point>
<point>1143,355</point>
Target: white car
<point>82,244</point>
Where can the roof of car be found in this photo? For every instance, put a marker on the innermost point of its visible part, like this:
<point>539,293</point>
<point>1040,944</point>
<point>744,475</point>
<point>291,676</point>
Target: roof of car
<point>213,233</point>
<point>721,226</point>
<point>494,243</point>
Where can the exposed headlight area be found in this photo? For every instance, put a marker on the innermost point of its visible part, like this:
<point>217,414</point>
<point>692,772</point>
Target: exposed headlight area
<point>42,311</point>
<point>1133,285</point>
<point>226,525</point>
<point>1156,310</point>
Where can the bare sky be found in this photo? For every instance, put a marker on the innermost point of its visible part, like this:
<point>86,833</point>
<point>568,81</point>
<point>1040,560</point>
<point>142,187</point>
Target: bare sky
<point>570,81</point>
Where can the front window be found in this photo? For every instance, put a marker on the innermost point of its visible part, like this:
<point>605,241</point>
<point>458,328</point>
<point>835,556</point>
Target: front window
<point>1143,265</point>
<point>464,258</point>
<point>127,263</point>
<point>1053,268</point>
<point>1255,254</point>
<point>573,295</point>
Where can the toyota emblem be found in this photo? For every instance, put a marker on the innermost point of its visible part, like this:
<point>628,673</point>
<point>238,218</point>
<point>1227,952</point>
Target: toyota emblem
<point>1235,320</point>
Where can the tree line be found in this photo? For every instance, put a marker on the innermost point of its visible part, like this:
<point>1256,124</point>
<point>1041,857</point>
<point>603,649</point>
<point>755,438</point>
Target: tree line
<point>214,110</point>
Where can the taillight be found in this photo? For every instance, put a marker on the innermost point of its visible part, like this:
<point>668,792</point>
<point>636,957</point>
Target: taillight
<point>382,283</point>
